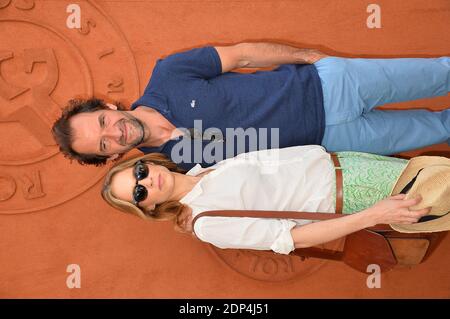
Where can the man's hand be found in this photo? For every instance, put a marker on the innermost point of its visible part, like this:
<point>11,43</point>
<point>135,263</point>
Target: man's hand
<point>311,55</point>
<point>261,55</point>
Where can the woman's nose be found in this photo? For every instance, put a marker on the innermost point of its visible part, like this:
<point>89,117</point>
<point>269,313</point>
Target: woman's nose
<point>147,182</point>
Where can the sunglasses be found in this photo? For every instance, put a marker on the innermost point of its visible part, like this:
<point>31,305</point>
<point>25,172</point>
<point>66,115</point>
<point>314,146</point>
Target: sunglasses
<point>140,192</point>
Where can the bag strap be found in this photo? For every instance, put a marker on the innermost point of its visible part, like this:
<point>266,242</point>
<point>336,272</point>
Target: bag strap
<point>279,214</point>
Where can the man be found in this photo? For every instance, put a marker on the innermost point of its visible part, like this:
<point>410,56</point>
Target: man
<point>311,98</point>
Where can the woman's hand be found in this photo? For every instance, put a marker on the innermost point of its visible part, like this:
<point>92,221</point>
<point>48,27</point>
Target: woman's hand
<point>395,210</point>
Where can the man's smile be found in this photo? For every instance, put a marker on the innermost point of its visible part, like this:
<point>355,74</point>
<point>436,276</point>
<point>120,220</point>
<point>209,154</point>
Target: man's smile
<point>125,133</point>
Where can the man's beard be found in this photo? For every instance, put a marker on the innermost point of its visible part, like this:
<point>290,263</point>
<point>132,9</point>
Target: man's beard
<point>138,126</point>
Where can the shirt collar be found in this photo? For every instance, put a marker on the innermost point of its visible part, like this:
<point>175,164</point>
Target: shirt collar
<point>194,171</point>
<point>160,149</point>
<point>197,190</point>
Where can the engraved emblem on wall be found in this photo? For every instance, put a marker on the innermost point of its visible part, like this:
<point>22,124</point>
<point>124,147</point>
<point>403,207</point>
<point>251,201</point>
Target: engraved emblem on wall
<point>43,64</point>
<point>268,266</point>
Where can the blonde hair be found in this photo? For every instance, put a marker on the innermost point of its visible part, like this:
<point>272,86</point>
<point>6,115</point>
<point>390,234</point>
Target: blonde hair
<point>171,210</point>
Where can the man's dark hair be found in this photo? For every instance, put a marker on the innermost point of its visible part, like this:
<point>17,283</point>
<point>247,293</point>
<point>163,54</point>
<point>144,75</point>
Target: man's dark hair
<point>63,133</point>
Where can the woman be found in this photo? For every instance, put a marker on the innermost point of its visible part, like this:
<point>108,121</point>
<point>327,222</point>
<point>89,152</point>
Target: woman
<point>298,178</point>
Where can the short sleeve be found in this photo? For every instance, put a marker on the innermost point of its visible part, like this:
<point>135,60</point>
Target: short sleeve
<point>183,152</point>
<point>196,63</point>
<point>247,233</point>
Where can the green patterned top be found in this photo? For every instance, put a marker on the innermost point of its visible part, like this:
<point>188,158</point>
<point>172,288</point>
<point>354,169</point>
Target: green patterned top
<point>367,178</point>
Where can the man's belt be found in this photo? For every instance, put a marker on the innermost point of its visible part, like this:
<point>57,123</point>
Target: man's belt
<point>339,192</point>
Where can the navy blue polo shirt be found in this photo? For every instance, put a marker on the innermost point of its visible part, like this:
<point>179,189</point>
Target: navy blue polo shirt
<point>190,86</point>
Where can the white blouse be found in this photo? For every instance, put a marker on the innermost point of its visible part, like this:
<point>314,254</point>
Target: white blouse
<point>299,178</point>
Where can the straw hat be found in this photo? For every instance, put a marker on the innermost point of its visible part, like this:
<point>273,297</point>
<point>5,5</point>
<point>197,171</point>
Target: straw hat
<point>432,182</point>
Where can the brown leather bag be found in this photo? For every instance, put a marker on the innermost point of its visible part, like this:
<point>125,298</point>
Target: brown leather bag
<point>374,245</point>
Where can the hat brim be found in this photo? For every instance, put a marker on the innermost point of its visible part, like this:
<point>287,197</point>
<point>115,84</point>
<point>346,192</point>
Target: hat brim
<point>411,170</point>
